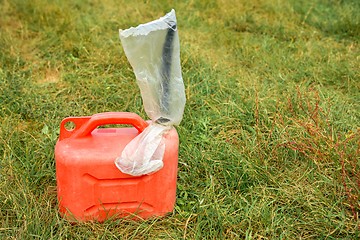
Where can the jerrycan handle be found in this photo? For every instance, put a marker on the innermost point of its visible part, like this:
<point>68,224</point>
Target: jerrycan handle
<point>85,125</point>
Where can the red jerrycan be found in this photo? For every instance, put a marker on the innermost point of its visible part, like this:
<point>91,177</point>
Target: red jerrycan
<point>91,187</point>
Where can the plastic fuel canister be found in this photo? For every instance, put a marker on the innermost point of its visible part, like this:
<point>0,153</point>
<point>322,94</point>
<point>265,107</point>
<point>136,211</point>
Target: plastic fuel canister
<point>91,187</point>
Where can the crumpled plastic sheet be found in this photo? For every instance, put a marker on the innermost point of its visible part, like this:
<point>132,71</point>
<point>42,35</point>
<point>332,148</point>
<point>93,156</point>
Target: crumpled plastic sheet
<point>153,51</point>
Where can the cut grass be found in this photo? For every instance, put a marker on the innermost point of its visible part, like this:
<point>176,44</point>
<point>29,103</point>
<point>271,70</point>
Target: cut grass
<point>270,136</point>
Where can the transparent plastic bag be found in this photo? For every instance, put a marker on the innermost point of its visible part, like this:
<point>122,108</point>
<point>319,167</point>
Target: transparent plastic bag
<point>153,51</point>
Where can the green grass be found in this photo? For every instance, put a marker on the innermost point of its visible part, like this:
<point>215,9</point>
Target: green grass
<point>270,140</point>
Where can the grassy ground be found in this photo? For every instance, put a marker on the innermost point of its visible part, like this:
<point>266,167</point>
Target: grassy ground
<point>270,139</point>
